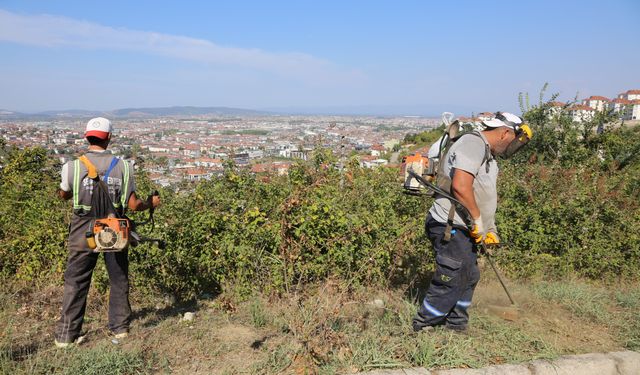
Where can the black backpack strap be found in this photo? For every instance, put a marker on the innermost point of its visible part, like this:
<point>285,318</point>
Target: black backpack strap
<point>449,227</point>
<point>101,203</point>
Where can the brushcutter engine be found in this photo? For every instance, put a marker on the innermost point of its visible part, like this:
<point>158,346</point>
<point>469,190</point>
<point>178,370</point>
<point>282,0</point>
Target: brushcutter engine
<point>117,233</point>
<point>110,234</point>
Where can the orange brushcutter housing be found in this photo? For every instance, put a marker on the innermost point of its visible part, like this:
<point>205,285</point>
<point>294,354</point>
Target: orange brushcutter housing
<point>111,234</point>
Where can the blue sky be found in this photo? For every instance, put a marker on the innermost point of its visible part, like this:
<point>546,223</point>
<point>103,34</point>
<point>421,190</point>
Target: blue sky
<point>401,57</point>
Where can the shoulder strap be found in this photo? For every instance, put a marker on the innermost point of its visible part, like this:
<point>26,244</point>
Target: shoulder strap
<point>101,184</point>
<point>91,169</point>
<point>487,150</point>
<point>125,184</point>
<point>114,162</point>
<point>451,134</point>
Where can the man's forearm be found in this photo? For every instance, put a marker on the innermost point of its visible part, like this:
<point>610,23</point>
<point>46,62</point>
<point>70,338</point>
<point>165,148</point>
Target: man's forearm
<point>468,201</point>
<point>137,204</point>
<point>141,205</point>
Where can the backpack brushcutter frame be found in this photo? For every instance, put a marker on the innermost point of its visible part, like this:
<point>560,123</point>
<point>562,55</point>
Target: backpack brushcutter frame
<point>137,238</point>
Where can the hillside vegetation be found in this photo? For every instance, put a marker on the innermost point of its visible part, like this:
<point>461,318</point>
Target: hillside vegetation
<point>568,205</point>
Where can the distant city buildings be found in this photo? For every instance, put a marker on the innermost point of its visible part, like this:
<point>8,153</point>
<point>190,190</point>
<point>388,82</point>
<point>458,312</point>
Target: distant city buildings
<point>581,112</point>
<point>626,106</point>
<point>175,150</point>
<point>599,103</point>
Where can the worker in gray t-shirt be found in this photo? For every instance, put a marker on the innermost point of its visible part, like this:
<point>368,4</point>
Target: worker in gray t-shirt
<point>471,168</point>
<point>77,185</point>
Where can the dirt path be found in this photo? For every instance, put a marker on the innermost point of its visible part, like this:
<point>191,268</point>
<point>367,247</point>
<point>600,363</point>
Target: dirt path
<point>552,322</point>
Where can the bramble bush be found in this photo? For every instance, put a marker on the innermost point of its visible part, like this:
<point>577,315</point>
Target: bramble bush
<point>278,235</point>
<point>569,201</point>
<point>568,205</point>
<point>33,224</point>
<point>558,220</point>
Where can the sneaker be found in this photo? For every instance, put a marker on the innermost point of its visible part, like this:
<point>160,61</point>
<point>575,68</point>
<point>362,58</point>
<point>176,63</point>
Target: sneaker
<point>121,335</point>
<point>63,345</point>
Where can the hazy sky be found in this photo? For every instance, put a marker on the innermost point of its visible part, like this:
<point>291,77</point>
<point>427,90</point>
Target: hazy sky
<point>402,57</point>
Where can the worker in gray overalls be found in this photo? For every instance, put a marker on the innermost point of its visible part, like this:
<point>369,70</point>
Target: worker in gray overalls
<point>77,185</point>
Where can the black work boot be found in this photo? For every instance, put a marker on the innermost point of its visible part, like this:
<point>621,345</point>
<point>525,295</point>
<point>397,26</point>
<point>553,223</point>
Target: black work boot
<point>419,325</point>
<point>459,329</point>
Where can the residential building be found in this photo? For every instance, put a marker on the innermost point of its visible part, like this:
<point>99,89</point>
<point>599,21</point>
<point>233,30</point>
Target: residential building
<point>622,107</point>
<point>580,112</point>
<point>635,112</point>
<point>241,158</point>
<point>300,154</point>
<point>60,141</point>
<point>197,174</point>
<point>556,108</point>
<point>630,95</point>
<point>377,150</point>
<point>599,103</point>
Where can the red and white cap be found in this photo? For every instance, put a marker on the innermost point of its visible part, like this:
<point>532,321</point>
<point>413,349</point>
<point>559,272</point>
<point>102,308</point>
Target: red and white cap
<point>98,127</point>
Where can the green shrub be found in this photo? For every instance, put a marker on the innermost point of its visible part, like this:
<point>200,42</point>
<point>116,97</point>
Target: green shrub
<point>32,223</point>
<point>559,220</point>
<point>273,236</point>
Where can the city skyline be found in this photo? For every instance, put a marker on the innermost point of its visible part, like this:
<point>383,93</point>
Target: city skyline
<point>359,58</point>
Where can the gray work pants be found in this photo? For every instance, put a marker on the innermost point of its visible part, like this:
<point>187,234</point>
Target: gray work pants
<point>77,279</point>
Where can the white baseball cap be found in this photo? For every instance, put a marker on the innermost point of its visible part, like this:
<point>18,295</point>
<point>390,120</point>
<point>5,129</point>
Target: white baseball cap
<point>98,127</point>
<point>506,119</point>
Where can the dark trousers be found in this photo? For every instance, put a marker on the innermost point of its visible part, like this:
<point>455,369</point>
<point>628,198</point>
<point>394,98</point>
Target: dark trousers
<point>455,278</point>
<point>77,279</point>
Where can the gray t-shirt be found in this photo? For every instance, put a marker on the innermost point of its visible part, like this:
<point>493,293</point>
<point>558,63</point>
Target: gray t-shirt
<point>467,154</point>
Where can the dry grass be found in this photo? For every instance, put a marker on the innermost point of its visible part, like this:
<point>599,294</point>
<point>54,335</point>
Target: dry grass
<point>328,328</point>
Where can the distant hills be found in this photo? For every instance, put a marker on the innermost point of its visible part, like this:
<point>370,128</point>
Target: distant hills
<point>190,111</point>
<point>136,113</point>
<point>186,111</point>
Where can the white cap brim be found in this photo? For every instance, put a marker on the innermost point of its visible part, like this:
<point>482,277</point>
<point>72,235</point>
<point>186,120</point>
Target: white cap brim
<point>495,123</point>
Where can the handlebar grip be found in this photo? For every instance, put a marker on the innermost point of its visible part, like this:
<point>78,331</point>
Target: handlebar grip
<point>155,193</point>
